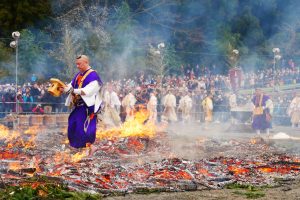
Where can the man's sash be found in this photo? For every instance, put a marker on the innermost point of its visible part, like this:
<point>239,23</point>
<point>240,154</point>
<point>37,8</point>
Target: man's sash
<point>83,78</point>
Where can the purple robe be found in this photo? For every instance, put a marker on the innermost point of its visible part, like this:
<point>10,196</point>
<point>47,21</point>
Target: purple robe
<point>80,116</point>
<point>260,122</point>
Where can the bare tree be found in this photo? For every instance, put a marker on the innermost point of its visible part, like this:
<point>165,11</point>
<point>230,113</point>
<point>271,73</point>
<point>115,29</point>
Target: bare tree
<point>155,59</point>
<point>67,52</point>
<point>289,40</point>
<point>81,27</point>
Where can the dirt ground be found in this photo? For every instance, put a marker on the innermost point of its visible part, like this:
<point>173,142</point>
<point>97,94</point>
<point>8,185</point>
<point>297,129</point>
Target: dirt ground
<point>183,135</point>
<point>289,192</point>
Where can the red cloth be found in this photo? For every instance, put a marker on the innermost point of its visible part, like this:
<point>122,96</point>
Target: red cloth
<point>38,109</point>
<point>235,75</point>
<point>79,77</point>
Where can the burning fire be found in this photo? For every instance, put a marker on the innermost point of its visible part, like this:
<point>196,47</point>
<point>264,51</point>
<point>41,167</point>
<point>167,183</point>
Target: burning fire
<point>4,132</point>
<point>278,169</point>
<point>79,155</point>
<point>8,155</point>
<point>61,157</point>
<point>238,170</point>
<point>173,175</point>
<point>14,166</point>
<point>138,126</point>
<point>13,138</point>
<point>33,130</point>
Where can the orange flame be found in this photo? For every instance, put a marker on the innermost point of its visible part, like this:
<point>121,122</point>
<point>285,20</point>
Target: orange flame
<point>166,174</point>
<point>134,127</point>
<point>238,170</point>
<point>33,130</point>
<point>61,157</point>
<point>4,132</point>
<point>79,155</point>
<point>8,155</point>
<point>14,166</point>
<point>135,145</point>
<point>13,137</point>
<point>253,141</point>
<point>203,171</point>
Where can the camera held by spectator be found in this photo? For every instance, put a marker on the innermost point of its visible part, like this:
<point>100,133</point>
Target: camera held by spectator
<point>38,109</point>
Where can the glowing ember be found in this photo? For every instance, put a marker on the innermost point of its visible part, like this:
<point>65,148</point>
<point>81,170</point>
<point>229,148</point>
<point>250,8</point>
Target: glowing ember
<point>8,155</point>
<point>139,174</point>
<point>109,168</point>
<point>238,170</point>
<point>14,166</point>
<point>282,169</point>
<point>61,157</point>
<point>203,171</point>
<point>253,141</point>
<point>79,155</point>
<point>13,138</point>
<point>173,175</point>
<point>33,130</point>
<point>135,144</point>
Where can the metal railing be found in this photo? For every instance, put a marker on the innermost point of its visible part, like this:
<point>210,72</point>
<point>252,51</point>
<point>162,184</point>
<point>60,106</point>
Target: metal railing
<point>221,113</point>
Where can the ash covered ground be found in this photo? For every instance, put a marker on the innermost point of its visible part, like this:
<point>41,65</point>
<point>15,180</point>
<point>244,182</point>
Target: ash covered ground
<point>181,158</point>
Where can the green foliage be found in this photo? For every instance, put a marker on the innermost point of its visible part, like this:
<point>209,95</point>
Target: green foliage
<point>125,55</point>
<point>5,58</point>
<point>30,55</point>
<point>198,32</point>
<point>250,191</point>
<point>47,191</point>
<point>251,194</point>
<point>16,15</point>
<point>171,59</point>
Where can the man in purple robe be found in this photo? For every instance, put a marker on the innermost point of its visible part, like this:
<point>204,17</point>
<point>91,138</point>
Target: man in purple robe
<point>85,100</point>
<point>263,109</point>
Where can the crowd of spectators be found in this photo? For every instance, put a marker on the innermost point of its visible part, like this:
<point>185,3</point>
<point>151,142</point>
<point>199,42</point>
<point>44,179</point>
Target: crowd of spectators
<point>199,82</point>
<point>28,96</point>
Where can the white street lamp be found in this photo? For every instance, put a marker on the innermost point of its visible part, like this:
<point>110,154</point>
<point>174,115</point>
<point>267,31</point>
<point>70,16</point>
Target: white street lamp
<point>161,45</point>
<point>14,44</point>
<point>276,50</point>
<point>16,35</point>
<point>277,56</point>
<point>235,57</point>
<point>235,51</point>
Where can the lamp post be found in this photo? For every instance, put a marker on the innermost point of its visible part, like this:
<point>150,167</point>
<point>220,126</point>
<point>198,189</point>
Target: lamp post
<point>277,56</point>
<point>14,44</point>
<point>160,52</point>
<point>234,72</point>
<point>235,53</point>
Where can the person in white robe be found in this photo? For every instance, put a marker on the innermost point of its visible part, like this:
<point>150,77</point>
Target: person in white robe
<point>152,107</point>
<point>111,117</point>
<point>294,110</point>
<point>128,104</point>
<point>207,104</point>
<point>185,106</point>
<point>169,103</point>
